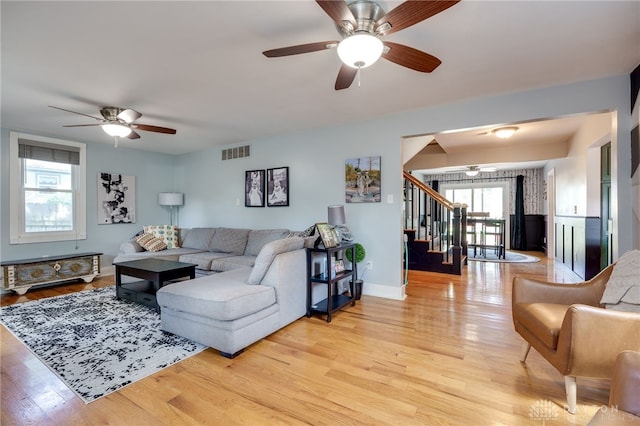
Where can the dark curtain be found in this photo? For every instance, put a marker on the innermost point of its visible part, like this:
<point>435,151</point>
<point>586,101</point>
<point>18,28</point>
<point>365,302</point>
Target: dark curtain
<point>519,235</point>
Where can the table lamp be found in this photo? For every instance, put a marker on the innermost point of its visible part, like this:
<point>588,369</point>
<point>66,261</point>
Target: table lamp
<point>336,218</point>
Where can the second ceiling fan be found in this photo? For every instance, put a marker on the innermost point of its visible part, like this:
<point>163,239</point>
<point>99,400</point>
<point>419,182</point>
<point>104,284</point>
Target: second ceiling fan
<point>473,170</point>
<point>362,23</point>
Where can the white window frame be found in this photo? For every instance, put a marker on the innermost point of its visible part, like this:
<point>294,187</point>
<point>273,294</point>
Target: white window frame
<point>488,184</point>
<point>17,234</point>
<point>477,185</point>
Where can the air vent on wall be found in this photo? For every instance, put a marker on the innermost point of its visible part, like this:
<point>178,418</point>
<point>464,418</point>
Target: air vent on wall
<point>237,152</point>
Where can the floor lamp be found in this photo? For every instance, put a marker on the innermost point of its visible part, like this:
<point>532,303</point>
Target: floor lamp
<point>171,199</point>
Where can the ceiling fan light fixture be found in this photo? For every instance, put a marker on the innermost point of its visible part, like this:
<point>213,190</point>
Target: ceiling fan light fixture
<point>471,173</point>
<point>505,132</point>
<point>114,129</point>
<point>360,50</point>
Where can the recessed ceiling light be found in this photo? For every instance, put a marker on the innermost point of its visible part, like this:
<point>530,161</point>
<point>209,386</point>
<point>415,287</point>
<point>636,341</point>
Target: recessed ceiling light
<point>505,132</point>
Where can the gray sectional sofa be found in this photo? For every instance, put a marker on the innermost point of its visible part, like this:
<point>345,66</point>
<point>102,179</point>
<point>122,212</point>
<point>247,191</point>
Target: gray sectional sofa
<point>249,284</point>
<point>211,249</point>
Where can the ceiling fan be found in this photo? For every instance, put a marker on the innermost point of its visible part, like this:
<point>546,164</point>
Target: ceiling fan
<point>361,24</point>
<point>472,171</point>
<point>119,122</point>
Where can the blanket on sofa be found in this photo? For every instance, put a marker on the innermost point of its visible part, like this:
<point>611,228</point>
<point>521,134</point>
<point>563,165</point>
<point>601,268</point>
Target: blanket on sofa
<point>623,288</point>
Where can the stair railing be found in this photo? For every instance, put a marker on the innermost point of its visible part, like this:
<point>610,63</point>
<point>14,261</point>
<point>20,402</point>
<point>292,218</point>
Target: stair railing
<point>444,222</point>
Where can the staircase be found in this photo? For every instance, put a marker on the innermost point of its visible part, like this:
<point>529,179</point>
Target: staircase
<point>435,229</point>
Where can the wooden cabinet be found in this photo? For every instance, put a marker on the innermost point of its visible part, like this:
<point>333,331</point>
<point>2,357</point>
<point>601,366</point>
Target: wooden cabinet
<point>21,275</point>
<point>330,277</point>
<point>578,244</point>
<point>535,229</point>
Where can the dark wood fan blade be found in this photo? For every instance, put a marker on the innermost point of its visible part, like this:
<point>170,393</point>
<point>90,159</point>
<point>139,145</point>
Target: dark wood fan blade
<point>133,135</point>
<point>346,75</point>
<point>300,48</point>
<point>411,12</point>
<point>82,125</point>
<point>75,112</point>
<point>410,57</point>
<point>129,115</point>
<point>338,11</point>
<point>157,129</point>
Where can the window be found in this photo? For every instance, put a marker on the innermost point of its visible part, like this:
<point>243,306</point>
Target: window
<point>480,198</point>
<point>47,188</point>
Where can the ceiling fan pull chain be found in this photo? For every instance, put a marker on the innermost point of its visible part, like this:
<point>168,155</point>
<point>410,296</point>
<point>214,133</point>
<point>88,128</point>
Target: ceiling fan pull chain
<point>359,72</point>
<point>115,140</point>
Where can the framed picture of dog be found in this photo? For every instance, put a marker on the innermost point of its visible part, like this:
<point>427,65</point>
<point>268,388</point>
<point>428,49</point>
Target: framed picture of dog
<point>254,188</point>
<point>278,187</point>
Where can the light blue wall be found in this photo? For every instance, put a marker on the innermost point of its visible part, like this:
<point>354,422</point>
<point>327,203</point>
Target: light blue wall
<point>153,172</point>
<point>316,160</point>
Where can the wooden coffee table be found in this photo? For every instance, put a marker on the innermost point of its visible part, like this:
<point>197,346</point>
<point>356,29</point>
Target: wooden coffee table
<point>154,273</point>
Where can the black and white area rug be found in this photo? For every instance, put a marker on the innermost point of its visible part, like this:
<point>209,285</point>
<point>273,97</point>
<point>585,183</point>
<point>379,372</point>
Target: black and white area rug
<point>510,257</point>
<point>95,343</point>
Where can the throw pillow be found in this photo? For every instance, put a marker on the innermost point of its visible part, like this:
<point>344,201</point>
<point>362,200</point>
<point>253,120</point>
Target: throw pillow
<point>622,288</point>
<point>308,232</point>
<point>167,233</point>
<point>151,243</point>
<point>268,253</point>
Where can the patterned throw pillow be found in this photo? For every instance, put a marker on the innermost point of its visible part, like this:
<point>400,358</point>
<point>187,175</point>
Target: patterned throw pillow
<point>151,243</point>
<point>167,233</point>
<point>308,232</point>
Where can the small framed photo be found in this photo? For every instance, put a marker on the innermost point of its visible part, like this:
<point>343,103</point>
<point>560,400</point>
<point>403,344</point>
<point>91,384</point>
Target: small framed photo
<point>254,188</point>
<point>328,235</point>
<point>278,187</point>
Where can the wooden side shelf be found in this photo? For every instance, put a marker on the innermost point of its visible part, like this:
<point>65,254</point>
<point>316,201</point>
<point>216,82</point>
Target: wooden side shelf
<point>20,275</point>
<point>333,302</point>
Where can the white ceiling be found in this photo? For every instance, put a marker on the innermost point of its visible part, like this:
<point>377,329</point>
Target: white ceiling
<point>479,146</point>
<point>197,66</point>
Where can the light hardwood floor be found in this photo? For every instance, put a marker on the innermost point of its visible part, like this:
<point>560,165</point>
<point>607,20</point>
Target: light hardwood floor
<point>447,355</point>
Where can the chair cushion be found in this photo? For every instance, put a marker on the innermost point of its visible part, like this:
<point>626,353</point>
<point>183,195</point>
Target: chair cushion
<point>544,320</point>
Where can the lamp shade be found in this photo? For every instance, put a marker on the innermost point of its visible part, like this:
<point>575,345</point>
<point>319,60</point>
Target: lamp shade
<point>170,198</point>
<point>336,215</point>
<point>114,129</point>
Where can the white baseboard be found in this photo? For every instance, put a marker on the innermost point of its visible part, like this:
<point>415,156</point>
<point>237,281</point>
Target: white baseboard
<point>109,270</point>
<point>384,291</point>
